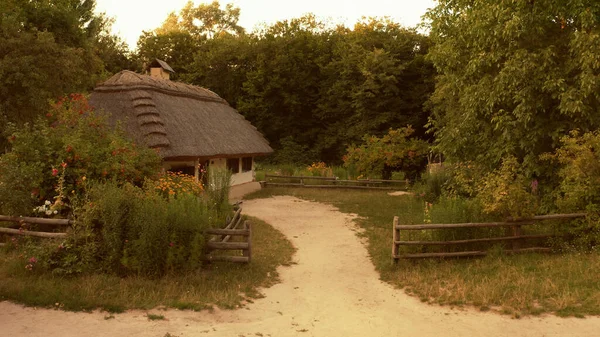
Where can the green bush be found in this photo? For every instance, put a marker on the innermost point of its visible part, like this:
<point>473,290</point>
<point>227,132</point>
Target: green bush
<point>507,192</point>
<point>432,185</point>
<point>578,161</point>
<point>138,231</point>
<point>395,151</point>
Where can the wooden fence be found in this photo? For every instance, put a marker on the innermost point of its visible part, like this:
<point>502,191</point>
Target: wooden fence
<point>221,240</point>
<point>515,238</point>
<point>367,184</point>
<point>25,221</point>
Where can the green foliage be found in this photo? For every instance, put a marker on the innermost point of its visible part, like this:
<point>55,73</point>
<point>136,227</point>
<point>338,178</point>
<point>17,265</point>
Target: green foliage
<point>310,88</point>
<point>217,190</point>
<point>139,231</point>
<point>507,192</point>
<point>578,171</point>
<point>48,49</point>
<point>515,76</point>
<point>578,174</point>
<point>55,158</point>
<point>292,153</point>
<point>432,184</point>
<point>395,151</point>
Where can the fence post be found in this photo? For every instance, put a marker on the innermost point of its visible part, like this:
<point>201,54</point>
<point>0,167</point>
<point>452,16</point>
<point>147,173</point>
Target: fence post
<point>516,231</point>
<point>395,238</point>
<point>248,252</point>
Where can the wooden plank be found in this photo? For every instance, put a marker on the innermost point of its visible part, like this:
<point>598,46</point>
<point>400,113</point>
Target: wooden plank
<point>227,245</point>
<point>330,186</point>
<point>237,225</point>
<point>283,184</point>
<point>216,231</point>
<point>358,182</point>
<point>384,181</point>
<point>298,177</point>
<point>395,238</point>
<point>31,233</point>
<point>226,258</point>
<point>38,221</point>
<point>457,242</point>
<point>473,253</point>
<point>559,216</point>
<point>236,217</point>
<point>428,255</point>
<point>463,225</point>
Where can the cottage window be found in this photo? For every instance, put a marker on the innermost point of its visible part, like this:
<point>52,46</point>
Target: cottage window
<point>188,170</point>
<point>233,165</point>
<point>246,164</point>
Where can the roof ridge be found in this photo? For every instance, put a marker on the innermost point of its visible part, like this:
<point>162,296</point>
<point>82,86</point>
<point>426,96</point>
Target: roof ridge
<point>126,80</point>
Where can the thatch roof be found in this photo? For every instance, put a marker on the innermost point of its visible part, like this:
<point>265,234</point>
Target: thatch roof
<point>184,121</point>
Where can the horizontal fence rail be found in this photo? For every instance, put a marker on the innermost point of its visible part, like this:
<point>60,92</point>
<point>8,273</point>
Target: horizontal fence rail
<point>23,221</point>
<point>371,184</point>
<point>515,224</point>
<point>220,241</point>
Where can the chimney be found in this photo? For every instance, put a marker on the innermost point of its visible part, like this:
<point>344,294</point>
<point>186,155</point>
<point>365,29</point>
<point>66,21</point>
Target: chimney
<point>160,69</point>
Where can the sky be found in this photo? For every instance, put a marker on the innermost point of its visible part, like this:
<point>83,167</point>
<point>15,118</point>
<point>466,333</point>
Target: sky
<point>134,16</point>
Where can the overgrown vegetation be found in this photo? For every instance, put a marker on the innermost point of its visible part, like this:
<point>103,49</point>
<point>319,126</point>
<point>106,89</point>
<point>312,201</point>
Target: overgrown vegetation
<point>224,285</point>
<point>532,284</point>
<point>55,158</point>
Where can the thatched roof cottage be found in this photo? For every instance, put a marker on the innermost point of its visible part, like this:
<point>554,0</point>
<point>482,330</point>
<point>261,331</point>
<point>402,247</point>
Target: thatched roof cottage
<point>191,126</point>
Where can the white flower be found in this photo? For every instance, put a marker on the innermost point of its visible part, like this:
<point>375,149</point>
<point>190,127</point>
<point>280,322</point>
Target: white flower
<point>47,202</point>
<point>55,212</point>
<point>48,212</point>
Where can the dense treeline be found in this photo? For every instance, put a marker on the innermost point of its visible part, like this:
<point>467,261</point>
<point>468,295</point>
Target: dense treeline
<point>311,88</point>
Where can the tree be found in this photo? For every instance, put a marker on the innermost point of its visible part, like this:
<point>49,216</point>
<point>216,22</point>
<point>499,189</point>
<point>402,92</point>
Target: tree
<point>377,79</point>
<point>515,76</point>
<point>395,151</point>
<point>48,49</point>
<point>210,21</point>
<point>282,85</point>
<point>181,36</point>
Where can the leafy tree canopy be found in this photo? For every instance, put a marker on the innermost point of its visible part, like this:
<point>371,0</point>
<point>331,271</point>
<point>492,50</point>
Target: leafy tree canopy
<point>515,77</point>
<point>49,48</point>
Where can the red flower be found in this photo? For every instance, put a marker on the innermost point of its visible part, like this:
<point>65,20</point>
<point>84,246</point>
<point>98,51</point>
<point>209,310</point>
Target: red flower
<point>54,172</point>
<point>69,148</point>
<point>63,165</point>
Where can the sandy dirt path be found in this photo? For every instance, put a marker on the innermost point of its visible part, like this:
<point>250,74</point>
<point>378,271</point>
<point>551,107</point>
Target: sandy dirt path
<point>333,290</point>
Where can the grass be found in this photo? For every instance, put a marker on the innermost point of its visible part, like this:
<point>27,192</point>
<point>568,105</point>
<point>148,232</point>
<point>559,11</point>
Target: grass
<point>155,317</point>
<point>225,285</point>
<point>518,285</point>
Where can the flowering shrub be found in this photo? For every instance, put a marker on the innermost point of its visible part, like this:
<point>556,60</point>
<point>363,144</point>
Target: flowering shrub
<point>395,151</point>
<point>173,184</point>
<point>54,158</point>
<point>319,169</point>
